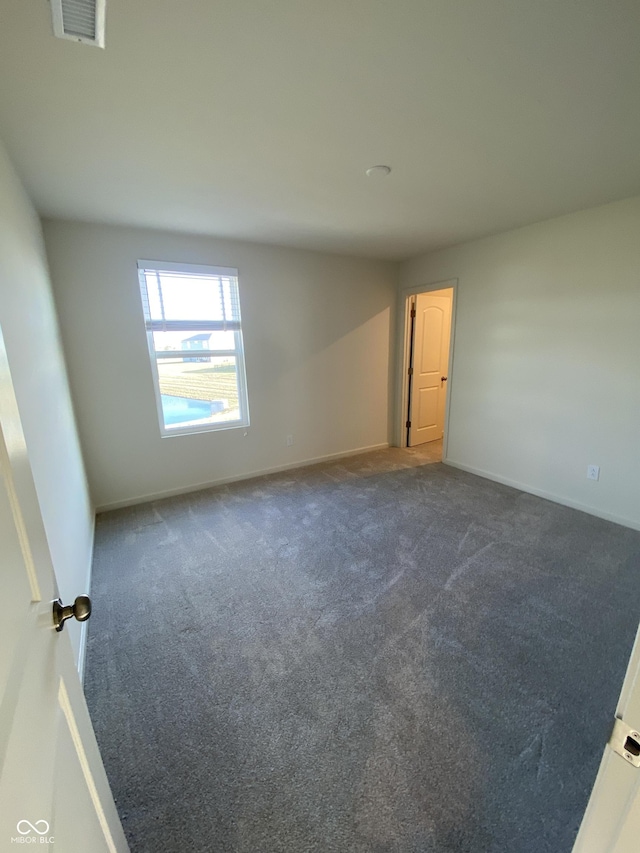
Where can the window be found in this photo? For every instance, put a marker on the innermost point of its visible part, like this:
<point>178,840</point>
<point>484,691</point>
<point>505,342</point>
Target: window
<point>192,318</point>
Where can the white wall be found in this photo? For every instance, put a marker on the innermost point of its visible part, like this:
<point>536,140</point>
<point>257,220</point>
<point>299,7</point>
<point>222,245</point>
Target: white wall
<point>546,373</point>
<point>29,325</point>
<point>317,344</point>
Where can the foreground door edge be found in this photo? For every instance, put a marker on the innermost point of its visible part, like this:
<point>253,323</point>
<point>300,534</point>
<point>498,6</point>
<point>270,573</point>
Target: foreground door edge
<point>611,823</point>
<point>53,786</point>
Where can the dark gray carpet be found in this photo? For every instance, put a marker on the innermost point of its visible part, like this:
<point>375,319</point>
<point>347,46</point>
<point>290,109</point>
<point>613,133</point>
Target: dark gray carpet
<point>375,655</point>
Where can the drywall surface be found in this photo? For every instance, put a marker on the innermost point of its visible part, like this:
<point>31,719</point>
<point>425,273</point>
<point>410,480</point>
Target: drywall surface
<point>546,370</point>
<point>317,344</point>
<point>30,330</point>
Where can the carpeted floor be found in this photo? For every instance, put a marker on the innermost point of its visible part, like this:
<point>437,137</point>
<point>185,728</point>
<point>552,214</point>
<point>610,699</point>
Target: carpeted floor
<point>378,655</point>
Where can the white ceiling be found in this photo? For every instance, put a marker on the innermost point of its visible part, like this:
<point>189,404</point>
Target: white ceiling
<point>256,119</point>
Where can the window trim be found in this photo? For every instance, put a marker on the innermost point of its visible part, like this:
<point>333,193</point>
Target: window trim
<point>200,325</point>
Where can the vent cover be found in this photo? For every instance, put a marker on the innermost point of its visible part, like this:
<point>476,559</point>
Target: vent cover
<point>79,20</point>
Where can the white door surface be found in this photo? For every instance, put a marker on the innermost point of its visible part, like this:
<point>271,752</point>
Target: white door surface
<point>53,787</point>
<point>431,336</point>
<point>611,823</point>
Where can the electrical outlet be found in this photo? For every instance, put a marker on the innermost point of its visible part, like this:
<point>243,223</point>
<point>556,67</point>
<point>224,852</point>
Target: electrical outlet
<point>289,440</point>
<point>593,472</point>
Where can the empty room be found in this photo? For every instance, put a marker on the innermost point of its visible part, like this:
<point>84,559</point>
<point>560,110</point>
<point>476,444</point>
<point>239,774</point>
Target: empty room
<point>319,426</point>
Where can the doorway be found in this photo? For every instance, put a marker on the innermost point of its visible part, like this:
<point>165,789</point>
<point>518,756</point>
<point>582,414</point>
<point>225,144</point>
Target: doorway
<point>428,346</point>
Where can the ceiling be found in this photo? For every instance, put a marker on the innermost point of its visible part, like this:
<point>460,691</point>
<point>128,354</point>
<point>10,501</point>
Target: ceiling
<point>257,119</point>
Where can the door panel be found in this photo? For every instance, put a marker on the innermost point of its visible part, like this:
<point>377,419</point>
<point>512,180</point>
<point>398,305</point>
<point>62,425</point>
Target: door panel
<point>77,808</point>
<point>427,409</point>
<point>52,782</point>
<point>432,331</point>
<point>430,342</point>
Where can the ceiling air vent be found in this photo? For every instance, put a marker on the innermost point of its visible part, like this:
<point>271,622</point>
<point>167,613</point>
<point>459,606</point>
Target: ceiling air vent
<point>79,20</point>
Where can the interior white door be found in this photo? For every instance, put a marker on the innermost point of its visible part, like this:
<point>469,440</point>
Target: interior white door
<point>611,823</point>
<point>431,336</point>
<point>53,787</point>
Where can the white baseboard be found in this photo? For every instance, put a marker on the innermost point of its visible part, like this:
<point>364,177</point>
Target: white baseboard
<point>303,463</point>
<point>541,493</point>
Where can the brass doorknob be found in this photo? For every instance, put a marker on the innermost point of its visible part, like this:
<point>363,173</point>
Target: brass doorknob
<point>81,609</point>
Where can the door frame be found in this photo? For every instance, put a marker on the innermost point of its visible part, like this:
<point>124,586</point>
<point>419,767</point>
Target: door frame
<point>404,337</point>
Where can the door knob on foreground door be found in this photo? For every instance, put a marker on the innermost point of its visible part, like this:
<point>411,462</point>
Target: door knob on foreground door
<point>81,609</point>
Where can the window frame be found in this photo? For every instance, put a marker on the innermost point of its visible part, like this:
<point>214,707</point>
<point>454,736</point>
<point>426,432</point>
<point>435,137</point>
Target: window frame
<point>242,422</point>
